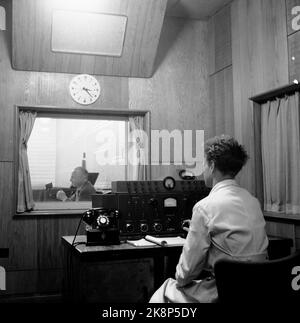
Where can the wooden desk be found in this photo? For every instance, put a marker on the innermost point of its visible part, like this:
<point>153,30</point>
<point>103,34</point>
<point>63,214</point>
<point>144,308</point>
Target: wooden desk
<point>117,274</point>
<point>124,273</point>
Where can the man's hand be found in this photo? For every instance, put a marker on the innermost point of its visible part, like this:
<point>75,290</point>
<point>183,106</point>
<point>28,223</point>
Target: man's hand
<point>61,195</point>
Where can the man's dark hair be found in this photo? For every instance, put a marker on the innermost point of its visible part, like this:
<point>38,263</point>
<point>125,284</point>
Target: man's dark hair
<point>227,154</point>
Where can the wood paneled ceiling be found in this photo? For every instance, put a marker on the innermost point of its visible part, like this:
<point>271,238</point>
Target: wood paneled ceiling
<point>194,9</point>
<point>35,36</point>
<point>42,42</point>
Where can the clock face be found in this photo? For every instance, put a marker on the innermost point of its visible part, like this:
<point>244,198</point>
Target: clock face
<point>84,89</point>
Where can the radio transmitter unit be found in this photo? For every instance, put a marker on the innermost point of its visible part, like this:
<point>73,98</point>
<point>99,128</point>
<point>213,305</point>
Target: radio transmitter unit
<point>157,208</point>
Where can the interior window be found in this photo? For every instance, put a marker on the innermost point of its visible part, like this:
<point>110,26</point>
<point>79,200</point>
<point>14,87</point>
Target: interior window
<point>65,156</point>
<point>59,146</point>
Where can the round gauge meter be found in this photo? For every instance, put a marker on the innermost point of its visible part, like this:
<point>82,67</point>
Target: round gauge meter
<point>169,183</point>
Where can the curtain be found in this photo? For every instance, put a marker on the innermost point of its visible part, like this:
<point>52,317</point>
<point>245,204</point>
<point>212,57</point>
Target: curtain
<point>25,196</point>
<point>137,150</point>
<point>280,154</point>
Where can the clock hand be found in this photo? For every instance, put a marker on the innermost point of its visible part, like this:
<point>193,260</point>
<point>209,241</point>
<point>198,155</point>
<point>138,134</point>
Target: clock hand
<point>88,91</point>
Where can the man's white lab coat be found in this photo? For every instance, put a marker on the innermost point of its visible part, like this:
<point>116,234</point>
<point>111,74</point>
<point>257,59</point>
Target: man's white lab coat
<point>226,224</point>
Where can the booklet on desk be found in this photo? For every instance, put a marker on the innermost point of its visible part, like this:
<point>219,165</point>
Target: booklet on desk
<point>162,241</point>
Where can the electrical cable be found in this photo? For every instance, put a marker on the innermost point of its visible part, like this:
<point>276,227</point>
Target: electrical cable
<point>77,228</point>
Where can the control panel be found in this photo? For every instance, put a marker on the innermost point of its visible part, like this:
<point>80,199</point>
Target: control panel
<point>148,207</point>
<point>142,187</point>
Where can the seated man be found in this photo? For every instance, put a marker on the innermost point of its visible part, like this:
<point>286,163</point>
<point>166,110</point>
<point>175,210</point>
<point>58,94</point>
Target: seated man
<point>228,224</point>
<point>84,188</point>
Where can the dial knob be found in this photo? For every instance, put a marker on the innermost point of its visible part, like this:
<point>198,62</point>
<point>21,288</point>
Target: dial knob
<point>157,227</point>
<point>144,227</point>
<point>129,227</point>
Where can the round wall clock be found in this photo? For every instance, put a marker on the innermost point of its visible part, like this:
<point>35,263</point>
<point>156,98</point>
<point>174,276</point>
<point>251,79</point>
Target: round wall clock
<point>84,89</point>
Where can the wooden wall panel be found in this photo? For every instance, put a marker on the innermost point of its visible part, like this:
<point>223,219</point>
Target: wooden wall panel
<point>32,21</point>
<point>260,63</point>
<point>284,230</point>
<point>6,125</point>
<point>220,41</point>
<point>14,233</point>
<point>49,89</point>
<point>177,95</point>
<point>6,118</point>
<point>290,4</point>
<point>6,201</point>
<point>49,233</point>
<point>221,102</point>
<point>22,237</point>
<point>294,52</point>
<point>32,286</point>
<point>21,282</point>
<point>53,90</point>
<point>194,9</point>
<point>50,281</point>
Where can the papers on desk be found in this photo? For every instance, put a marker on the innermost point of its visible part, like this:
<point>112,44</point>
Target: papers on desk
<point>161,241</point>
<point>141,243</point>
<point>166,241</point>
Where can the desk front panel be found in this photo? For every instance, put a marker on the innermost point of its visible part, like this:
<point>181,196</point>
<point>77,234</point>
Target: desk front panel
<point>124,281</point>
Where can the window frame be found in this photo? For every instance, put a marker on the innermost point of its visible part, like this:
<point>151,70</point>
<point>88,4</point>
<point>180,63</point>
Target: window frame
<point>257,102</point>
<point>78,113</point>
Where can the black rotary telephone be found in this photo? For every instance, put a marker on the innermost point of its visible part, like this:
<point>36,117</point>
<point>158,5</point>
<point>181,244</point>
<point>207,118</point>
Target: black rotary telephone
<point>102,226</point>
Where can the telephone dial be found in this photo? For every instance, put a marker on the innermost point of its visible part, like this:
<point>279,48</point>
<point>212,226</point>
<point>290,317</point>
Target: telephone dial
<point>102,226</point>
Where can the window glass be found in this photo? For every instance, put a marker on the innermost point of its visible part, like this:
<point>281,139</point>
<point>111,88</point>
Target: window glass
<point>57,146</point>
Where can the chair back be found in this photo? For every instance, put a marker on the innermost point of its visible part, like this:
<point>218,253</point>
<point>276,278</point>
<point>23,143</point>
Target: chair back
<point>92,177</point>
<point>273,280</point>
